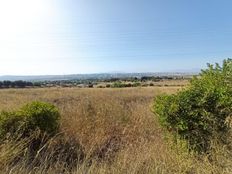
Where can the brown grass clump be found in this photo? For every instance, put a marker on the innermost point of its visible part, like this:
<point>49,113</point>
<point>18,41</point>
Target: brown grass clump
<point>104,131</point>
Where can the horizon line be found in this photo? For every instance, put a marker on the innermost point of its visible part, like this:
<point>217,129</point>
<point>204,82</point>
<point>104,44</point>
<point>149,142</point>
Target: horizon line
<point>182,72</point>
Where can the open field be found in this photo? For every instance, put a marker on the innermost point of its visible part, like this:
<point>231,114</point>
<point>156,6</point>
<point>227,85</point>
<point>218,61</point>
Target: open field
<point>116,129</point>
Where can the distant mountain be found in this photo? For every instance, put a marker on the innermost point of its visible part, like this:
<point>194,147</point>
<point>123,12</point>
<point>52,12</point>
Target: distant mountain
<point>91,76</point>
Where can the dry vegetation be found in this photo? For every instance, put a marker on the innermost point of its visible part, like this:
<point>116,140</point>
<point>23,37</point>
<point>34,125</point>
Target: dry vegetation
<point>112,131</point>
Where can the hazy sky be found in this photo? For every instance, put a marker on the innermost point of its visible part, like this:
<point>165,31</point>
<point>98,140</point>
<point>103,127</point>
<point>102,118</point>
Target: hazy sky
<point>87,36</point>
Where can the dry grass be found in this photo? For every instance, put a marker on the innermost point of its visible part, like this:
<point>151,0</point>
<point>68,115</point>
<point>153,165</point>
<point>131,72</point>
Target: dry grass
<point>116,129</point>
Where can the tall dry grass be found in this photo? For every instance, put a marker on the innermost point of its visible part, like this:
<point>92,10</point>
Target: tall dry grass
<point>104,131</point>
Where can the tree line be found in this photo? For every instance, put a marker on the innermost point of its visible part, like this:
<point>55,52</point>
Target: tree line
<point>15,84</point>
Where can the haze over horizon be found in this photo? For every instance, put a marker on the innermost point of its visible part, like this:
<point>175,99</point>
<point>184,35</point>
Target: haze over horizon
<point>55,37</point>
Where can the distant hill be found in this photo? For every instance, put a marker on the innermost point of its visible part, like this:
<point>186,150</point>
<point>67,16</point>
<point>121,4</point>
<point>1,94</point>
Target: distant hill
<point>91,76</point>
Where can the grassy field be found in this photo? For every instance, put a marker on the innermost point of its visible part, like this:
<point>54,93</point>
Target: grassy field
<point>112,131</point>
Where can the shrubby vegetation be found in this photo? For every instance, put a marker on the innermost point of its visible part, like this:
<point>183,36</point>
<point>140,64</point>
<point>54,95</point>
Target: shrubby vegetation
<point>202,111</point>
<point>31,136</point>
<point>120,84</point>
<point>36,116</point>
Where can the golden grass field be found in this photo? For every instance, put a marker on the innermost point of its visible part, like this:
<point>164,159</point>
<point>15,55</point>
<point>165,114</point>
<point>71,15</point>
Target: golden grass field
<point>117,132</point>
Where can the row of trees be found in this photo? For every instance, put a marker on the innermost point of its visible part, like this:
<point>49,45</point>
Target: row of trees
<point>15,84</point>
<point>146,78</point>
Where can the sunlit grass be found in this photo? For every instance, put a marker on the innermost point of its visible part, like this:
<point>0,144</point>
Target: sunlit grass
<point>116,132</point>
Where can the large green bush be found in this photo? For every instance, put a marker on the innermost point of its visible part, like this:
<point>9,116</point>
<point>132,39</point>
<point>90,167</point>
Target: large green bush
<point>200,112</point>
<point>40,116</point>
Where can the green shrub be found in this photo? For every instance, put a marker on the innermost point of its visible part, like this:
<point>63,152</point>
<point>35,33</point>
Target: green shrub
<point>136,84</point>
<point>199,113</point>
<point>117,84</point>
<point>34,116</point>
<point>10,122</point>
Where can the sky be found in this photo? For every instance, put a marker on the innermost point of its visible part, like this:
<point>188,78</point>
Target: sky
<point>42,37</point>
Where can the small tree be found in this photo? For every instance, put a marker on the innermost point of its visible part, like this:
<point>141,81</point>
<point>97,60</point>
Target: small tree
<point>199,113</point>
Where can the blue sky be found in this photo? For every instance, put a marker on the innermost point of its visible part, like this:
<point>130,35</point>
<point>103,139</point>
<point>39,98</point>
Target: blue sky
<point>92,36</point>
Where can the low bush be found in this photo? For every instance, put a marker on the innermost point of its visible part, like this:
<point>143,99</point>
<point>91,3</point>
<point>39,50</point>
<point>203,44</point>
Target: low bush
<point>136,84</point>
<point>199,113</point>
<point>117,84</point>
<point>40,116</point>
<point>30,137</point>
